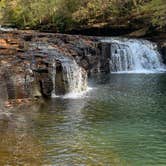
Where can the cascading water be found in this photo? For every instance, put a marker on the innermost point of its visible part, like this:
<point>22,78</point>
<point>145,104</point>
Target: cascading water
<point>53,76</point>
<point>75,76</point>
<point>70,78</point>
<point>134,55</point>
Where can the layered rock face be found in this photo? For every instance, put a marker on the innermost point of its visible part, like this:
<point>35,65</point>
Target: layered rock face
<point>163,51</point>
<point>160,39</point>
<point>17,79</point>
<point>35,64</point>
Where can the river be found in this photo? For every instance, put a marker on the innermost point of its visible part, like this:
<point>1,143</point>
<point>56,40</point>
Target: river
<point>121,121</point>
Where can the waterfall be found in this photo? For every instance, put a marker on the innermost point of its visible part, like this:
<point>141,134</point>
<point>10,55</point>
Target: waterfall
<point>67,76</point>
<point>53,77</point>
<point>70,78</point>
<point>134,55</point>
<point>75,76</point>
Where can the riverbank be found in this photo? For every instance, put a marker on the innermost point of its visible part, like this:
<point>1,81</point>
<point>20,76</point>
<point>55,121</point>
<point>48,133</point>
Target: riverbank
<point>26,59</point>
<point>121,121</point>
<point>26,63</point>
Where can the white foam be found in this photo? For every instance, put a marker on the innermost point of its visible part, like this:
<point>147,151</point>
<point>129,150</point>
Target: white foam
<point>134,56</point>
<point>140,72</point>
<point>74,95</point>
<point>7,29</point>
<point>54,95</point>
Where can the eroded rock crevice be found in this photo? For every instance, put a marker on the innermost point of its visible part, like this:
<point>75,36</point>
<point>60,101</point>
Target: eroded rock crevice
<point>26,63</point>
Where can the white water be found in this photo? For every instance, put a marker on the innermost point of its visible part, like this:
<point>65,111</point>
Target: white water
<point>73,75</point>
<point>76,77</point>
<point>53,76</point>
<point>75,95</point>
<point>134,56</point>
<point>7,29</point>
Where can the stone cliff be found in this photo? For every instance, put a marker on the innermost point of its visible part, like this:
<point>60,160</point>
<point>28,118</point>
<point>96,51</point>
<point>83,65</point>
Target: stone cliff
<point>27,62</point>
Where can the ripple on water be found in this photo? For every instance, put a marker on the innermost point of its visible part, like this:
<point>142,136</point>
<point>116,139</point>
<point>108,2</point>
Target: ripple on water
<point>120,122</point>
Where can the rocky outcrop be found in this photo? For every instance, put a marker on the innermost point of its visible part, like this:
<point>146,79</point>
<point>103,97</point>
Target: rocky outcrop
<point>163,51</point>
<point>160,39</point>
<point>26,62</point>
<point>105,56</point>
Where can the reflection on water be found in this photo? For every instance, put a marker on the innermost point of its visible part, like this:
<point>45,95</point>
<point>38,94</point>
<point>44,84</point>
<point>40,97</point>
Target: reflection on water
<point>120,122</point>
<point>18,146</point>
<point>19,149</point>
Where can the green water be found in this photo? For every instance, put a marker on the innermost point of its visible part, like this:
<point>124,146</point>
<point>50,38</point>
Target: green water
<point>120,122</point>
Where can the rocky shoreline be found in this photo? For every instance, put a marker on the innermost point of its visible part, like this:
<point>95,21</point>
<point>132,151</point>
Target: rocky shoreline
<point>25,64</point>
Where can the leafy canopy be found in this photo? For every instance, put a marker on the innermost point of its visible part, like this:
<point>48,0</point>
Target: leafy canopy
<point>68,14</point>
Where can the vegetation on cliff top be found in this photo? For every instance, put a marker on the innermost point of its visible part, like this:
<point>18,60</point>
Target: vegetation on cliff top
<point>65,15</point>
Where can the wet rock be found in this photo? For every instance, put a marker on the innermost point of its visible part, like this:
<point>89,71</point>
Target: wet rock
<point>46,86</point>
<point>105,56</point>
<point>60,84</point>
<point>139,33</point>
<point>163,51</point>
<point>26,62</point>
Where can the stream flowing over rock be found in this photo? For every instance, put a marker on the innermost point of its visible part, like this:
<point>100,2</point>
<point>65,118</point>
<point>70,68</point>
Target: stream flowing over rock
<point>67,76</point>
<point>39,64</point>
<point>34,64</point>
<point>132,55</point>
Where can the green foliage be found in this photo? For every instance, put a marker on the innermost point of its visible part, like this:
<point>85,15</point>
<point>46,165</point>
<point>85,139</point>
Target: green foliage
<point>156,10</point>
<point>92,10</point>
<point>63,17</point>
<point>2,5</point>
<point>27,13</point>
<point>67,14</point>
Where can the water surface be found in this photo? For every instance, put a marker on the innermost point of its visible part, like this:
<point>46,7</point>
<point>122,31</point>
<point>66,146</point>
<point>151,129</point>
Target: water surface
<point>120,122</point>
